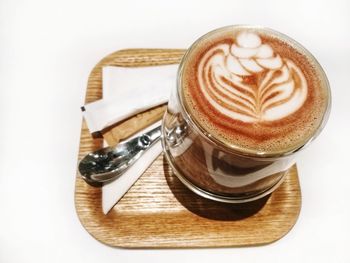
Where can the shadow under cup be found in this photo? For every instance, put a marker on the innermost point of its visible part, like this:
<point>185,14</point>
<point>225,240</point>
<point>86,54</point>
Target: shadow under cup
<point>212,170</point>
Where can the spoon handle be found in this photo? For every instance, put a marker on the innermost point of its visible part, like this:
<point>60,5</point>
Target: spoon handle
<point>107,164</point>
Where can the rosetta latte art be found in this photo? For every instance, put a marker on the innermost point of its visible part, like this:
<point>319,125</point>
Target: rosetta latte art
<point>248,81</point>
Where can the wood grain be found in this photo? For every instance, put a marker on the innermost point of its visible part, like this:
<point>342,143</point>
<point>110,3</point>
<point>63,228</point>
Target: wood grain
<point>160,212</point>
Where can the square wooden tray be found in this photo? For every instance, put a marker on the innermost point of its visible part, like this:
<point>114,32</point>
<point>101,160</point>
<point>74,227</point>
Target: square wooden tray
<point>159,211</point>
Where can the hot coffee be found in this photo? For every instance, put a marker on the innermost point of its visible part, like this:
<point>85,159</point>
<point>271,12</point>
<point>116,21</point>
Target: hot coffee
<point>254,90</point>
<point>247,100</point>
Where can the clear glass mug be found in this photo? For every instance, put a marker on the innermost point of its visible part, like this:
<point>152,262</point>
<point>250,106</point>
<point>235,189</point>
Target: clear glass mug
<point>212,169</point>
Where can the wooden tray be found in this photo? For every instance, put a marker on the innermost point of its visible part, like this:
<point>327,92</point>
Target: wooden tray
<point>159,211</point>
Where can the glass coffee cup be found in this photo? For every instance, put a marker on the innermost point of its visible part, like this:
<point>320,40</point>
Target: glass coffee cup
<point>248,100</point>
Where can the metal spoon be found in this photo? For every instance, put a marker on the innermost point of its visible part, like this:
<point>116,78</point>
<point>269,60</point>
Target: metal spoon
<point>107,164</point>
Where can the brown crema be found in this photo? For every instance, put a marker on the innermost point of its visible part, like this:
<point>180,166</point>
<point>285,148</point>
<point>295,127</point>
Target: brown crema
<point>253,98</point>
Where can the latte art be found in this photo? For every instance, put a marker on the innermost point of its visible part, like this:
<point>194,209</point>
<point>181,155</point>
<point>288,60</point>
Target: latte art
<point>249,82</point>
<point>253,90</point>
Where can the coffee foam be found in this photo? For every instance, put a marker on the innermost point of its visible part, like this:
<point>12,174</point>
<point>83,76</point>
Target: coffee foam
<point>254,90</point>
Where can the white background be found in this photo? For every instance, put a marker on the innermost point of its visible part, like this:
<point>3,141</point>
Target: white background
<point>47,49</point>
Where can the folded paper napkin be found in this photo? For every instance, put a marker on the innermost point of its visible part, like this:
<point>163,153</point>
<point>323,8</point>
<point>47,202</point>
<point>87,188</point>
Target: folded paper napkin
<point>126,92</point>
<point>114,191</point>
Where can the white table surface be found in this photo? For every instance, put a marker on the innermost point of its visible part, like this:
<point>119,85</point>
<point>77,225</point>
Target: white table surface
<point>47,49</point>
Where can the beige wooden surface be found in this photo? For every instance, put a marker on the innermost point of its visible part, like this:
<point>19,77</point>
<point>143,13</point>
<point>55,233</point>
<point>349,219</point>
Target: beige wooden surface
<point>158,211</point>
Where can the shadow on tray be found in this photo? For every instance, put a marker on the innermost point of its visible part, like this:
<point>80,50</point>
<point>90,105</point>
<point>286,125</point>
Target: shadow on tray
<point>208,208</point>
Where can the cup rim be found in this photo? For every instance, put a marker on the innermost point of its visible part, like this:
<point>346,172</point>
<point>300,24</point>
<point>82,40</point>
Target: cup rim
<point>234,148</point>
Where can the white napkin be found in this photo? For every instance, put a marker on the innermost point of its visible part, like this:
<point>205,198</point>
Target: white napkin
<point>127,91</point>
<point>114,191</point>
